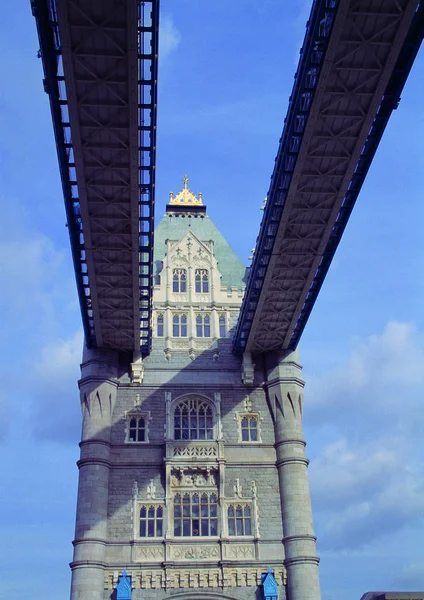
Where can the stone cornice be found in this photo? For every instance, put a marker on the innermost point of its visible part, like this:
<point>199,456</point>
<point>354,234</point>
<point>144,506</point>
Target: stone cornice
<point>284,380</point>
<point>292,460</point>
<point>290,441</point>
<point>93,540</point>
<point>94,441</point>
<point>97,378</point>
<point>83,462</point>
<point>297,560</point>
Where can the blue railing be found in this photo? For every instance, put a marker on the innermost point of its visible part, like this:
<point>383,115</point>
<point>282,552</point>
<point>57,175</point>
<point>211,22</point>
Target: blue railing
<point>148,31</point>
<point>45,15</point>
<point>389,103</point>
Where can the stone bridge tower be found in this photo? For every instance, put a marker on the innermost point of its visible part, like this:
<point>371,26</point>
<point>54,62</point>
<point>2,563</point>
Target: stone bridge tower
<point>193,472</point>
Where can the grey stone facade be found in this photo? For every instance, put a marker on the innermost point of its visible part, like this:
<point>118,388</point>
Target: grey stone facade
<point>121,476</point>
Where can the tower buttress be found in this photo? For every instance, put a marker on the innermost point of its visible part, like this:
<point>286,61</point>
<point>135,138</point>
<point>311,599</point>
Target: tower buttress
<point>98,395</point>
<point>284,387</point>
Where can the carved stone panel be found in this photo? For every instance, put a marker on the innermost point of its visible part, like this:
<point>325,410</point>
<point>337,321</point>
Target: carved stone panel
<point>195,552</point>
<point>238,551</point>
<point>194,477</point>
<point>148,553</point>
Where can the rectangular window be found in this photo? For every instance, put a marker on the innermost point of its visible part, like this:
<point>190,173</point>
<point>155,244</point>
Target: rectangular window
<point>179,325</point>
<point>160,326</point>
<point>203,326</point>
<point>196,514</point>
<point>137,429</point>
<point>193,420</point>
<point>151,521</point>
<point>239,519</point>
<point>201,281</point>
<point>179,280</point>
<point>222,328</point>
<point>249,429</point>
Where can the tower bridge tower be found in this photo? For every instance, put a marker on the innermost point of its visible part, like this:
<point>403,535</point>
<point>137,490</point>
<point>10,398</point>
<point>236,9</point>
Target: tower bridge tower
<point>192,471</point>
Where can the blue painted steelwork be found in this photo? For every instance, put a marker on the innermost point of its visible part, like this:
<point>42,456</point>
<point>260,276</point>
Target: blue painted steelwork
<point>318,30</point>
<point>123,589</point>
<point>45,15</point>
<point>148,17</point>
<point>389,103</point>
<point>306,79</point>
<point>269,586</point>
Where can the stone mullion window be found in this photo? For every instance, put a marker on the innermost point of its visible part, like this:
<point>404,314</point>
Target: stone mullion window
<point>179,281</point>
<point>222,325</point>
<point>203,325</point>
<point>137,428</point>
<point>193,420</point>
<point>179,325</point>
<point>249,428</point>
<point>151,520</point>
<point>239,519</point>
<point>201,281</point>
<point>196,514</point>
<point>160,325</point>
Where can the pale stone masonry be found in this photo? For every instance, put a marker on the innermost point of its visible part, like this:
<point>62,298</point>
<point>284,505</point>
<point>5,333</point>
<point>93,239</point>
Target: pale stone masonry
<point>192,471</point>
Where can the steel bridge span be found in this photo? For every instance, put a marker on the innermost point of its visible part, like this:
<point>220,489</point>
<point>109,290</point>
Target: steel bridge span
<point>355,60</point>
<point>100,63</point>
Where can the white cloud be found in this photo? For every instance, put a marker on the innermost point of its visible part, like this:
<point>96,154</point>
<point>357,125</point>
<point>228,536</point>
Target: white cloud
<point>344,472</point>
<point>58,357</point>
<point>381,379</point>
<point>36,278</point>
<point>367,479</point>
<point>367,491</point>
<point>37,304</point>
<point>169,37</point>
<point>55,405</point>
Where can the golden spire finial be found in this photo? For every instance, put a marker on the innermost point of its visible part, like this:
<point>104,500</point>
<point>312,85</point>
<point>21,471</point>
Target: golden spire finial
<point>185,197</point>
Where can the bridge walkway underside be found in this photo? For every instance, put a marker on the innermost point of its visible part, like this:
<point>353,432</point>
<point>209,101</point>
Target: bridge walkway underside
<point>353,54</point>
<point>102,89</point>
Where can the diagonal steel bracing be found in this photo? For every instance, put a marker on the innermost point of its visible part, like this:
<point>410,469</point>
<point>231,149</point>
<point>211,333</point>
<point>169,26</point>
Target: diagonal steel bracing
<point>100,64</point>
<point>355,60</point>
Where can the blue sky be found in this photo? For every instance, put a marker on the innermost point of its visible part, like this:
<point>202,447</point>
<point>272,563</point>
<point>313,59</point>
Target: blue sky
<point>225,76</point>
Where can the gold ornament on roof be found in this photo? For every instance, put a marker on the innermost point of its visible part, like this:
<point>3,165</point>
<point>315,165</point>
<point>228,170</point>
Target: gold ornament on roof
<point>185,197</point>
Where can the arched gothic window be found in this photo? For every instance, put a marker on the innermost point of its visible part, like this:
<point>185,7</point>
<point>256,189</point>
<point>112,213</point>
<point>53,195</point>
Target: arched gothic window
<point>203,326</point>
<point>196,514</point>
<point>137,429</point>
<point>239,519</point>
<point>193,420</point>
<point>179,325</point>
<point>201,280</point>
<point>249,428</point>
<point>151,521</point>
<point>159,329</point>
<point>179,280</point>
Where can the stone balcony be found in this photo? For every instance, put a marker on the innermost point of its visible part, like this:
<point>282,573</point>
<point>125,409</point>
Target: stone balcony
<point>193,450</point>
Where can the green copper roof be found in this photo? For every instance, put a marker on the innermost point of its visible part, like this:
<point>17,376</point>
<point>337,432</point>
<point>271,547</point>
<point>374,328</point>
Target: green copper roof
<point>174,227</point>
